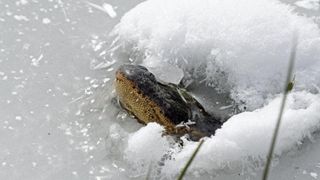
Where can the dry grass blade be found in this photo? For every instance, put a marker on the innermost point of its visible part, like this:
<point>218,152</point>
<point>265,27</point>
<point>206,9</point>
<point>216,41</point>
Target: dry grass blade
<point>288,87</point>
<point>185,168</point>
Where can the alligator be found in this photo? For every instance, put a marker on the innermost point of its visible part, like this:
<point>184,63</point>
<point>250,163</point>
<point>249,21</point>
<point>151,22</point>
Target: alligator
<point>172,106</point>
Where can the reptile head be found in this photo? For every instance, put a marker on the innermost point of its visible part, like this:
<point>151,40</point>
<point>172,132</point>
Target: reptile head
<point>141,94</point>
<point>133,84</point>
<point>136,74</point>
<point>151,101</point>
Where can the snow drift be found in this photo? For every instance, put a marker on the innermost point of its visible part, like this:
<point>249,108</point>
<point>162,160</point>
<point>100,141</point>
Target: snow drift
<point>241,47</point>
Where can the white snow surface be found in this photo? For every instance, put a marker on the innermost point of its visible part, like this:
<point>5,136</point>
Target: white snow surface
<point>234,37</point>
<point>245,138</point>
<point>241,144</point>
<point>239,49</point>
<point>58,119</point>
<point>308,4</point>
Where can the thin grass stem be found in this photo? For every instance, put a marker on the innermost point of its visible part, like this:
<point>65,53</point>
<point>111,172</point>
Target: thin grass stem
<point>185,168</point>
<point>288,87</point>
<point>149,171</point>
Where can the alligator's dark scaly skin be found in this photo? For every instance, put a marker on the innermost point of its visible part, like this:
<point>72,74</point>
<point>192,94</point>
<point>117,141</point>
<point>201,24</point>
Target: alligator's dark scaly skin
<point>175,104</point>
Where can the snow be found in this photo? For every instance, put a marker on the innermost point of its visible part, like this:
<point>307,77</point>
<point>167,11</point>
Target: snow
<point>226,37</point>
<point>308,4</point>
<point>140,148</point>
<point>59,119</point>
<point>314,175</point>
<point>248,135</point>
<point>239,50</point>
<point>241,142</point>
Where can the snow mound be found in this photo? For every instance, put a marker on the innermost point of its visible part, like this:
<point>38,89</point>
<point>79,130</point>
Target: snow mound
<point>239,146</point>
<point>241,47</point>
<point>245,138</point>
<point>231,43</point>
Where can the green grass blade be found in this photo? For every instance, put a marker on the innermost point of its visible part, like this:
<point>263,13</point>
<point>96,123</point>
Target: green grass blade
<point>185,168</point>
<point>288,87</point>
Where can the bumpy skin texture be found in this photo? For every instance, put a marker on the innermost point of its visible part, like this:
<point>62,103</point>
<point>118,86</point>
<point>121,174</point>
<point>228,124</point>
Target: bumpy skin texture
<point>151,101</point>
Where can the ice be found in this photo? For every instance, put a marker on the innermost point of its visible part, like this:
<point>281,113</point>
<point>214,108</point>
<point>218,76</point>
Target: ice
<point>110,10</point>
<point>172,74</point>
<point>314,175</point>
<point>59,118</point>
<point>107,8</point>
<point>35,62</point>
<point>21,18</point>
<point>46,21</point>
<point>42,88</point>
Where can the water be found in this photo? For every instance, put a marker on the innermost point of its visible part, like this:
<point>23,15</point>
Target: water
<point>57,119</point>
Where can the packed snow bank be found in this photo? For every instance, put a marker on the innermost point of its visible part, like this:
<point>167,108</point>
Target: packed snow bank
<point>245,138</point>
<point>239,146</point>
<point>240,47</point>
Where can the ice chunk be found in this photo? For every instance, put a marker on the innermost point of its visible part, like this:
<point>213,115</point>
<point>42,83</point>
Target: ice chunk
<point>314,175</point>
<point>110,10</point>
<point>21,18</point>
<point>163,70</point>
<point>107,8</point>
<point>46,21</point>
<point>115,141</point>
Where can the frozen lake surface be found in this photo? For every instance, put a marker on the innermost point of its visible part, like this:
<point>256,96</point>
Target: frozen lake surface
<point>57,65</point>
